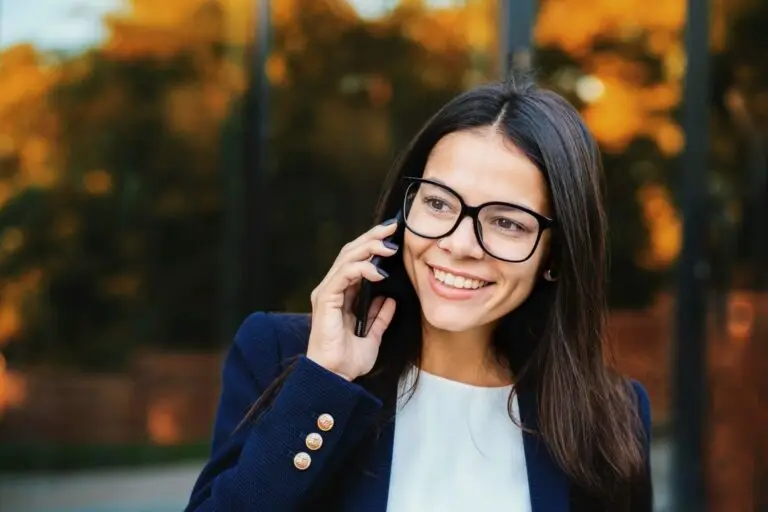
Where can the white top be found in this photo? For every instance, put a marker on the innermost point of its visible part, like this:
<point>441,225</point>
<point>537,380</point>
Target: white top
<point>457,450</point>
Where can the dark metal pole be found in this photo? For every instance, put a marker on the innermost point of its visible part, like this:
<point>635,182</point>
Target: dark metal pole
<point>689,361</point>
<point>256,146</point>
<point>758,164</point>
<point>518,18</point>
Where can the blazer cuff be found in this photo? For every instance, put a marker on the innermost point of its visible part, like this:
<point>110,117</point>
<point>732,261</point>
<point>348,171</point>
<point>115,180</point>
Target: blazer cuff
<point>311,391</point>
<point>314,413</point>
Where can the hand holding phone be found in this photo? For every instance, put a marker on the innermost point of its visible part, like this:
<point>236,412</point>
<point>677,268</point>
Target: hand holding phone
<point>368,303</point>
<point>332,342</point>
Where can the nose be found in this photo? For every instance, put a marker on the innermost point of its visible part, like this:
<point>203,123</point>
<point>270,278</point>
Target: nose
<point>463,242</point>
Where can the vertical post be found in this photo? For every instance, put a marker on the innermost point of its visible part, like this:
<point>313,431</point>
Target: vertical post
<point>518,18</point>
<point>689,362</point>
<point>256,145</point>
<point>759,207</point>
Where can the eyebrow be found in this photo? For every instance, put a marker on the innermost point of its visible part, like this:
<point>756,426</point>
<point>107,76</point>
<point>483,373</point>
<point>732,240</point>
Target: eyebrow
<point>516,203</point>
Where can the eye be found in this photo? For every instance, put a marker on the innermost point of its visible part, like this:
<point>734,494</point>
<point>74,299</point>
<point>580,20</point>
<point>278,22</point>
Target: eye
<point>437,204</point>
<point>509,225</point>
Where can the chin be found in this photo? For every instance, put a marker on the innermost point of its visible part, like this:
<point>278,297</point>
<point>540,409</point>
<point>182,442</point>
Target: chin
<point>451,317</point>
<point>449,321</point>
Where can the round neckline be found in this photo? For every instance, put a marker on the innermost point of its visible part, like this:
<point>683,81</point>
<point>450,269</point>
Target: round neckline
<point>463,385</point>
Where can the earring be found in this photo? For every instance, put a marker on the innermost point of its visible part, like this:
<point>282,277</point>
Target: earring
<point>549,276</point>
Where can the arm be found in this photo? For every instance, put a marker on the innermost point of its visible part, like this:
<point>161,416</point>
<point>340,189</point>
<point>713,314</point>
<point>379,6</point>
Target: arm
<point>253,468</point>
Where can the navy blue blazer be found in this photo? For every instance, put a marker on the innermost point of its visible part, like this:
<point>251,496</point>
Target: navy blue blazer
<point>252,468</point>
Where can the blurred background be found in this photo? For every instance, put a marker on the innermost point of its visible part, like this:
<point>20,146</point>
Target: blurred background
<point>168,167</point>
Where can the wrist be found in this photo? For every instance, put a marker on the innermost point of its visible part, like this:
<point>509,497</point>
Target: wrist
<point>333,368</point>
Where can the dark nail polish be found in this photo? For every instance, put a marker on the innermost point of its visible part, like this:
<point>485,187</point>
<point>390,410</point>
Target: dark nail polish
<point>382,272</point>
<point>392,246</point>
<point>389,221</point>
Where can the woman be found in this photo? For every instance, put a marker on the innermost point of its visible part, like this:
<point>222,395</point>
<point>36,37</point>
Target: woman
<point>481,384</point>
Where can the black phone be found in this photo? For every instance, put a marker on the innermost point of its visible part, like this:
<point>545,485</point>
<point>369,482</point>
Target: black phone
<point>371,294</point>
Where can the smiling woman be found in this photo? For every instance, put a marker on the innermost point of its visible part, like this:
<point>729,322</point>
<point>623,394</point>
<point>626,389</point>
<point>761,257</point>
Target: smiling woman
<point>487,351</point>
<point>443,247</point>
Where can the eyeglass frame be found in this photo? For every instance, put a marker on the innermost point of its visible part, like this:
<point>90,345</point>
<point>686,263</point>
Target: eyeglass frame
<point>473,212</point>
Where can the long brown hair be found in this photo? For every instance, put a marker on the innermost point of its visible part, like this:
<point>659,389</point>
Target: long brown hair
<point>554,342</point>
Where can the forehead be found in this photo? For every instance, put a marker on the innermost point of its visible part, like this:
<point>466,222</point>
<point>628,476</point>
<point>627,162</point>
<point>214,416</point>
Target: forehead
<point>482,166</point>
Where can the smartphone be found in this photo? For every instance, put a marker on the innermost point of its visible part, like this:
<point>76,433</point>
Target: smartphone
<point>373,294</point>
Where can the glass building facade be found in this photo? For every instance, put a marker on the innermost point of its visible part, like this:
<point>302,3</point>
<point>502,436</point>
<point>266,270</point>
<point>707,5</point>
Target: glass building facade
<point>168,167</point>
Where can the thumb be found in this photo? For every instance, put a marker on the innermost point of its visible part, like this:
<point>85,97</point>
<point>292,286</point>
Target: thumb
<point>382,321</point>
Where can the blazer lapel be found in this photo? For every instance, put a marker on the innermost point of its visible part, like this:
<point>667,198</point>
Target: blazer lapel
<point>548,486</point>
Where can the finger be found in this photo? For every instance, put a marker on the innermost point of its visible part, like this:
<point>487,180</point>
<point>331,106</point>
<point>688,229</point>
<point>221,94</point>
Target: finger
<point>333,292</point>
<point>354,272</point>
<point>372,248</point>
<point>372,240</point>
<point>378,232</point>
<point>350,294</point>
<point>383,319</point>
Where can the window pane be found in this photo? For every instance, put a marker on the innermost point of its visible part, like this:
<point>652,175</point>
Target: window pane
<point>111,203</point>
<point>624,69</point>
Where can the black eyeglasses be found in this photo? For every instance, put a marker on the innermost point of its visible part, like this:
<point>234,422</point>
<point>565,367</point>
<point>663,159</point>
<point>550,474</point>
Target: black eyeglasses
<point>505,231</point>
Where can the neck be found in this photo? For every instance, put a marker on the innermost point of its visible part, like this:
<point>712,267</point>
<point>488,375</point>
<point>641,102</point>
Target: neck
<point>466,357</point>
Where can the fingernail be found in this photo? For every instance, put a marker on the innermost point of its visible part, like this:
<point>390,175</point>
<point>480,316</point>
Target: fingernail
<point>389,222</point>
<point>392,246</point>
<point>383,272</point>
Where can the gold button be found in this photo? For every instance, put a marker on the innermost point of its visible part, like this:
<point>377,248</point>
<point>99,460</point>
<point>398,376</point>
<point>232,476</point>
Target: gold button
<point>325,422</point>
<point>302,460</point>
<point>314,441</point>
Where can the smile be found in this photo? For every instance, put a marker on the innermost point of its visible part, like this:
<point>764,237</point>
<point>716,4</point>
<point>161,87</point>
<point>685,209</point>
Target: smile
<point>458,282</point>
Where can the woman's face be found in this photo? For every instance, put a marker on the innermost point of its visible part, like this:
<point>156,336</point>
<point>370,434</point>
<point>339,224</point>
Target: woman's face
<point>480,166</point>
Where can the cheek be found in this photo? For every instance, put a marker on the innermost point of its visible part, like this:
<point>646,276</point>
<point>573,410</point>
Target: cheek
<point>519,281</point>
<point>413,248</point>
<point>527,273</point>
<point>521,275</point>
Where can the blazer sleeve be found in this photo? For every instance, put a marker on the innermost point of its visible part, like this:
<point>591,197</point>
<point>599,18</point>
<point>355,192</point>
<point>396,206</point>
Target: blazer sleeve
<point>643,496</point>
<point>644,411</point>
<point>252,467</point>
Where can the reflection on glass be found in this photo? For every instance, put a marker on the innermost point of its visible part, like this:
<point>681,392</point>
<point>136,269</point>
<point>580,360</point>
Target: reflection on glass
<point>623,66</point>
<point>110,213</point>
<point>739,193</point>
<point>121,121</point>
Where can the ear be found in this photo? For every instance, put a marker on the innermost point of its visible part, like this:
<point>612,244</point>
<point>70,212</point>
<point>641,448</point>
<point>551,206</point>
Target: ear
<point>549,263</point>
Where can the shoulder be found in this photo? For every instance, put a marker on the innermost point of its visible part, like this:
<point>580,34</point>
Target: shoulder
<point>264,346</point>
<point>643,403</point>
<point>284,335</point>
<point>271,339</point>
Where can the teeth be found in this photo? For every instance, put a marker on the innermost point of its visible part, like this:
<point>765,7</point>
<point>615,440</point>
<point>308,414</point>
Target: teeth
<point>458,281</point>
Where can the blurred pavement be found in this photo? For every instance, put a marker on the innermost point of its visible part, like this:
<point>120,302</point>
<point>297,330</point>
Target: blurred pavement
<point>166,489</point>
<point>156,489</point>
